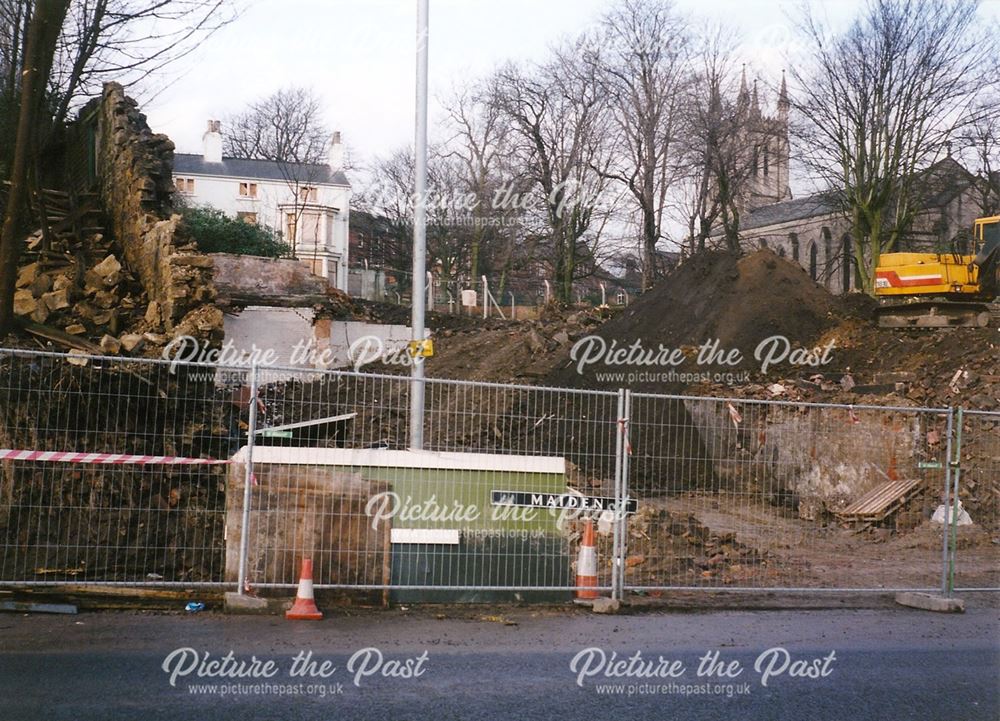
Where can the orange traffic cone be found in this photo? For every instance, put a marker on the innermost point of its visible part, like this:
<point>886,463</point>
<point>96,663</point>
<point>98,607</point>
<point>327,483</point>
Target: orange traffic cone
<point>304,608</point>
<point>586,563</point>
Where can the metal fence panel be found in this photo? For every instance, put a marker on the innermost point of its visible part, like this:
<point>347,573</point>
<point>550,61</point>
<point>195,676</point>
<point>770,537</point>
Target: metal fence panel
<point>154,518</point>
<point>974,539</point>
<point>146,472</point>
<point>742,494</point>
<point>334,482</point>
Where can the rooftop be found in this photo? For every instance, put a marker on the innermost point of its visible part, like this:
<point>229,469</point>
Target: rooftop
<point>193,164</point>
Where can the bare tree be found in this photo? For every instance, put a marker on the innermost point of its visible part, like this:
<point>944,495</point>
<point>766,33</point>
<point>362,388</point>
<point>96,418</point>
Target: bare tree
<point>42,35</point>
<point>880,101</point>
<point>718,143</point>
<point>128,40</point>
<point>477,143</point>
<point>390,197</point>
<point>99,40</point>
<point>979,142</point>
<point>288,129</point>
<point>558,114</point>
<point>644,72</point>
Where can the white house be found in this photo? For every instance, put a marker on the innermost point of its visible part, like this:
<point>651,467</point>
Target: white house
<point>308,204</point>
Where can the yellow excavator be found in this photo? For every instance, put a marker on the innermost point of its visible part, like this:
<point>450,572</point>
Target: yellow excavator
<point>938,290</point>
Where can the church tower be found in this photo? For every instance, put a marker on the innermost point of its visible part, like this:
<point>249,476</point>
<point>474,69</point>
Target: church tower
<point>767,140</point>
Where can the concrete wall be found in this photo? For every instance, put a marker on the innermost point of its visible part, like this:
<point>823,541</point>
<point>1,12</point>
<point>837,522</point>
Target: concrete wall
<point>266,281</point>
<point>322,343</point>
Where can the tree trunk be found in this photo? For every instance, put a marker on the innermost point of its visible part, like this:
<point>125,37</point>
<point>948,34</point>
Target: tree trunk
<point>43,33</point>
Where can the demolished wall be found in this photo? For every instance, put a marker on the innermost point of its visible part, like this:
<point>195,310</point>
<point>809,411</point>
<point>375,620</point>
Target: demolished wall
<point>133,167</point>
<point>815,459</point>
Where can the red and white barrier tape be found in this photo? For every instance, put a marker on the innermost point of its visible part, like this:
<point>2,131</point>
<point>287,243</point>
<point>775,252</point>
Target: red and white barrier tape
<point>112,458</point>
<point>623,427</point>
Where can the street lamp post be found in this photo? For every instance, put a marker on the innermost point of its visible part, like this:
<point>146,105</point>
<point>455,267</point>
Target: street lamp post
<point>419,236</point>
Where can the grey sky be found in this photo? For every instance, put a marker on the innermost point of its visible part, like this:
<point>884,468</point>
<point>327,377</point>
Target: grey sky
<point>358,55</point>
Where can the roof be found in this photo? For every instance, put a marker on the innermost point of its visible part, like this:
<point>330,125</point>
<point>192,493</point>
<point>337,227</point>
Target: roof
<point>939,184</point>
<point>192,164</point>
<point>789,210</point>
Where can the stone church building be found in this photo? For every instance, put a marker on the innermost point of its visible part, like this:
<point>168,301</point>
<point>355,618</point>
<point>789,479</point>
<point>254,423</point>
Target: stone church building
<point>811,230</point>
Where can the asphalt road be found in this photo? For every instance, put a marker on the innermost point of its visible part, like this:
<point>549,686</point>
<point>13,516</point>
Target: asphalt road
<point>512,664</point>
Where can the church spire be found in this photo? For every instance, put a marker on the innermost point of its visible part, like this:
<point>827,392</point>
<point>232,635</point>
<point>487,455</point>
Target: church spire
<point>743,98</point>
<point>755,102</point>
<point>783,103</point>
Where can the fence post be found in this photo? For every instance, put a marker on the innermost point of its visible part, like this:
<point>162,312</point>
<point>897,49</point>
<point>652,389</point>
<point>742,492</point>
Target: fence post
<point>248,482</point>
<point>617,563</point>
<point>945,500</point>
<point>955,462</point>
<point>621,529</point>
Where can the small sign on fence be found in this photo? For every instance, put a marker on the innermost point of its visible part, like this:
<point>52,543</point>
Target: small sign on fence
<point>559,501</point>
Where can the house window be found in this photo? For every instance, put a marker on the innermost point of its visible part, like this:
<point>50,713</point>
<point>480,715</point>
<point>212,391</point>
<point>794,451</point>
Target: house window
<point>248,190</point>
<point>290,227</point>
<point>620,298</point>
<point>312,227</point>
<point>184,185</point>
<point>308,194</point>
<point>250,218</point>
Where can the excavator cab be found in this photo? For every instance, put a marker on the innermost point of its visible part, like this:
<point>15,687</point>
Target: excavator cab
<point>935,290</point>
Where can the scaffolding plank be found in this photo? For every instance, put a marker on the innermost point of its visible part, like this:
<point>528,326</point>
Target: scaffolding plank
<point>881,500</point>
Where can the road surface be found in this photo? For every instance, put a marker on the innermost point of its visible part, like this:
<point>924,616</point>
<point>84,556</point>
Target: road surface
<point>475,663</point>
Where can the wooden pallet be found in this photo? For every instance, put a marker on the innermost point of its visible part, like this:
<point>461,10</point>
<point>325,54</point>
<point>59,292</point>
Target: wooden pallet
<point>881,502</point>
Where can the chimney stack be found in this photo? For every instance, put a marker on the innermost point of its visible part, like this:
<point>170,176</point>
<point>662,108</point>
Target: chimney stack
<point>336,156</point>
<point>212,142</point>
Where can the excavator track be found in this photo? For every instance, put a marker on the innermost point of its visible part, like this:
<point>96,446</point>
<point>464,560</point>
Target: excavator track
<point>935,314</point>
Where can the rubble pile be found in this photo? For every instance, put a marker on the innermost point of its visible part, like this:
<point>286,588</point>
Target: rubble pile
<point>84,298</point>
<point>671,547</point>
<point>509,351</point>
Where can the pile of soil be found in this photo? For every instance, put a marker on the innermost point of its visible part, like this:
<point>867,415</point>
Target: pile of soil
<point>715,296</point>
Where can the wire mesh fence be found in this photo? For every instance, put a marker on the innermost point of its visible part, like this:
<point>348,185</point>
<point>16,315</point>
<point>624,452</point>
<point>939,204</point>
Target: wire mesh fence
<point>147,472</point>
<point>746,494</point>
<point>975,532</point>
<point>104,476</point>
<point>334,480</point>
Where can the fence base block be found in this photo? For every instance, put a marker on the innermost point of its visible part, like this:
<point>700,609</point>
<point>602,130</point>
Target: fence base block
<point>241,603</point>
<point>929,602</point>
<point>605,605</point>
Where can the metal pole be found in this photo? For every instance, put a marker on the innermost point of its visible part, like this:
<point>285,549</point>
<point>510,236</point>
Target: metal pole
<point>419,232</point>
<point>623,526</point>
<point>618,563</point>
<point>945,502</point>
<point>956,475</point>
<point>248,483</point>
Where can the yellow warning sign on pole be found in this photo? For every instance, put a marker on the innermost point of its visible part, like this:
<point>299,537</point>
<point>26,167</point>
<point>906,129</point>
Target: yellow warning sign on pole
<point>421,348</point>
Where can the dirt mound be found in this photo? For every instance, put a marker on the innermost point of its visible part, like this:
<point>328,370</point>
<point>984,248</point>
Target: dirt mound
<point>717,296</point>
